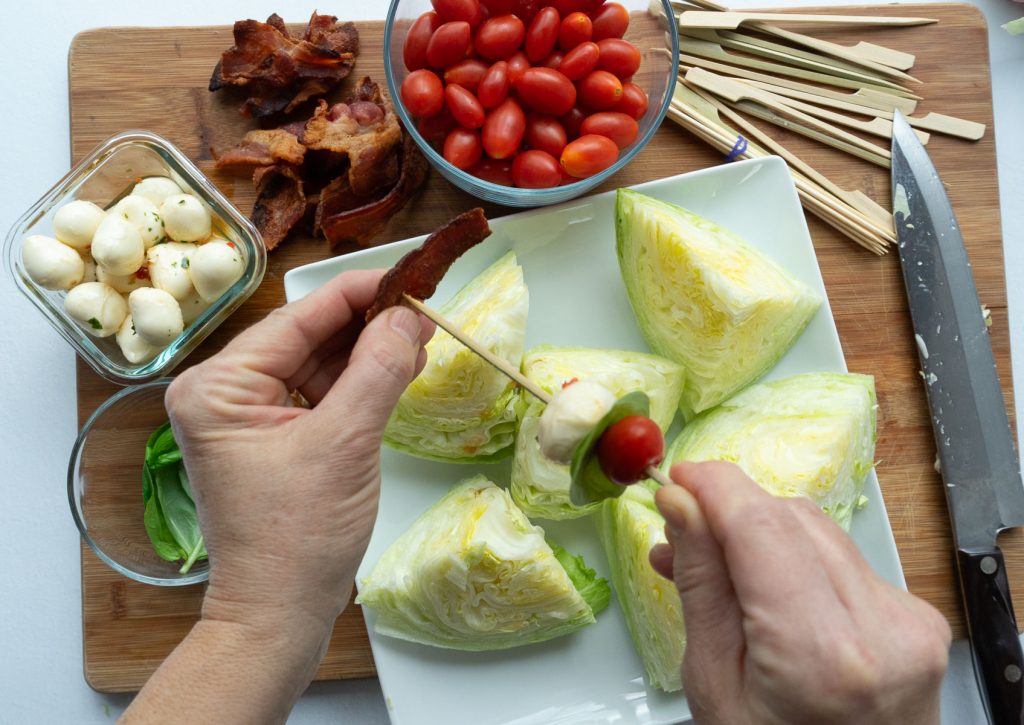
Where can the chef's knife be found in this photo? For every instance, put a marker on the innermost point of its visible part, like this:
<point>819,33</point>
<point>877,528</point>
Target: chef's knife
<point>972,433</point>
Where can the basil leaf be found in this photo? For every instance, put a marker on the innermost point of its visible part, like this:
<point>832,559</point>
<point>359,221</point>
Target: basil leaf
<point>199,552</point>
<point>183,480</point>
<point>178,510</point>
<point>168,458</point>
<point>161,442</point>
<point>163,543</point>
<point>147,483</point>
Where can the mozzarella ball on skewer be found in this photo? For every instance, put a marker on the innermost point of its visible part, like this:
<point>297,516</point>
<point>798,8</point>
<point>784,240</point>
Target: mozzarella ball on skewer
<point>133,346</point>
<point>76,222</point>
<point>98,306</point>
<point>157,315</point>
<point>123,283</point>
<point>185,218</point>
<point>570,416</point>
<point>214,267</point>
<point>143,213</point>
<point>51,264</point>
<point>117,246</point>
<point>169,265</point>
<point>156,189</point>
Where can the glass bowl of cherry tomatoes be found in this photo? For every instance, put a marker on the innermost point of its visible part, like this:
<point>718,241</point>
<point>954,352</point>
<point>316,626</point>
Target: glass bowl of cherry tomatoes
<point>530,102</point>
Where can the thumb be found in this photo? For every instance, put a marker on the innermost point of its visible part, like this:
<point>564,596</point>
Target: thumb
<point>385,359</point>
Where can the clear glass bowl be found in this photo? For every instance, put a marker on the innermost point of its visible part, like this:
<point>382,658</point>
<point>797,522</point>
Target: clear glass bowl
<point>657,76</point>
<point>103,177</point>
<point>105,486</point>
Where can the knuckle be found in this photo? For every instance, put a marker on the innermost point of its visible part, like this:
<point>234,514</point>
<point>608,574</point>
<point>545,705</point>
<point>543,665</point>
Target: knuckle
<point>399,368</point>
<point>856,676</point>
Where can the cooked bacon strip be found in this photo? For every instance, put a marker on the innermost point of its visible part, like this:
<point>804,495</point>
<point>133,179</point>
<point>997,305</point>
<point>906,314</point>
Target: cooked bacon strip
<point>264,147</point>
<point>280,202</point>
<point>418,272</point>
<point>344,218</point>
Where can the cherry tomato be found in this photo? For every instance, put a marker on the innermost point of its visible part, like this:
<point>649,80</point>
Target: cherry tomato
<point>619,57</point>
<point>572,121</point>
<point>619,127</point>
<point>494,171</point>
<point>545,133</point>
<point>634,101</point>
<point>546,91</point>
<point>542,34</point>
<point>553,61</point>
<point>494,85</point>
<point>467,73</point>
<point>588,155</point>
<point>449,10</point>
<point>448,44</point>
<point>536,170</point>
<point>599,90</point>
<point>498,38</point>
<point>462,148</point>
<point>415,50</point>
<point>465,108</point>
<point>610,21</point>
<point>437,127</point>
<point>517,63</point>
<point>500,7</point>
<point>567,7</point>
<point>575,29</point>
<point>503,130</point>
<point>422,93</point>
<point>628,447</point>
<point>579,61</point>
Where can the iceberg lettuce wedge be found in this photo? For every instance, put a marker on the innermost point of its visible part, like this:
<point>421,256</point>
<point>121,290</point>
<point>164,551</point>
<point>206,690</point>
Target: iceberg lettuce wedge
<point>472,573</point>
<point>629,526</point>
<point>539,485</point>
<point>460,409</point>
<point>808,435</point>
<point>705,298</point>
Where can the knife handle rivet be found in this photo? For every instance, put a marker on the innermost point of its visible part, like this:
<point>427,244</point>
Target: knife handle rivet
<point>1012,673</point>
<point>989,566</point>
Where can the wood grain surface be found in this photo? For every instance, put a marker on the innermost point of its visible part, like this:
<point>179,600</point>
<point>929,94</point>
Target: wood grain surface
<point>156,79</point>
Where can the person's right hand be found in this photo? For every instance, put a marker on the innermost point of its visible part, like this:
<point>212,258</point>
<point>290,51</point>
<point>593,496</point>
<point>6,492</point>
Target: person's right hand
<point>785,621</point>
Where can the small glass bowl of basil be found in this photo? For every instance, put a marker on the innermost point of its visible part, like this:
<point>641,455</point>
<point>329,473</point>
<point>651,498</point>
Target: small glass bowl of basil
<point>129,493</point>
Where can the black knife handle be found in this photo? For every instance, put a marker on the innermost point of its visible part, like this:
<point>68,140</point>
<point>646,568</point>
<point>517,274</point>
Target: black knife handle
<point>998,660</point>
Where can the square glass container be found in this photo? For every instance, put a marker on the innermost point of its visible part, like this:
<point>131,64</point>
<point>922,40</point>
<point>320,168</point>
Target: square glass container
<point>103,177</point>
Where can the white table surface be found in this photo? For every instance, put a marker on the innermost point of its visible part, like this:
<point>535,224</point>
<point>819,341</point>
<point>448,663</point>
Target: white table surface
<point>40,591</point>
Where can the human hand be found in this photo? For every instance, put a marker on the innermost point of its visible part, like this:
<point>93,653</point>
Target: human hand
<point>785,621</point>
<point>287,496</point>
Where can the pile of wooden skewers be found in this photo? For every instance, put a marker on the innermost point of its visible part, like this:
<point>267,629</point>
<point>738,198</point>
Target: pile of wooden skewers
<point>732,65</point>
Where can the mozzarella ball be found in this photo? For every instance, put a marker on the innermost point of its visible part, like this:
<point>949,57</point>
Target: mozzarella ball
<point>90,268</point>
<point>98,306</point>
<point>185,218</point>
<point>123,283</point>
<point>570,416</point>
<point>117,246</point>
<point>168,268</point>
<point>192,306</point>
<point>76,222</point>
<point>51,264</point>
<point>156,189</point>
<point>143,213</point>
<point>157,315</point>
<point>134,348</point>
<point>214,267</point>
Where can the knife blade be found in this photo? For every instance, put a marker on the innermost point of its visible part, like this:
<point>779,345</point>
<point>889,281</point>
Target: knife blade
<point>976,452</point>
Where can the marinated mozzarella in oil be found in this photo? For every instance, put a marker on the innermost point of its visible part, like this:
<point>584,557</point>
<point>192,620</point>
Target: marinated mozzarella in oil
<point>214,267</point>
<point>156,189</point>
<point>169,266</point>
<point>570,416</point>
<point>133,346</point>
<point>51,264</point>
<point>143,213</point>
<point>185,218</point>
<point>157,315</point>
<point>117,246</point>
<point>123,283</point>
<point>98,307</point>
<point>192,306</point>
<point>75,223</point>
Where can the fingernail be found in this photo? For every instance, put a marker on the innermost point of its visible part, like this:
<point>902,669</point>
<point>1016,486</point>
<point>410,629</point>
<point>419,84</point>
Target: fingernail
<point>406,323</point>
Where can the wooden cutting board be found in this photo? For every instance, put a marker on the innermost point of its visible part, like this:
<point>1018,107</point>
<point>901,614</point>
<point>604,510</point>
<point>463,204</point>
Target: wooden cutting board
<point>122,78</point>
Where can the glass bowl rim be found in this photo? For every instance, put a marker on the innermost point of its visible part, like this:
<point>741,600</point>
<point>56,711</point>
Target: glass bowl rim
<point>557,193</point>
<point>76,450</point>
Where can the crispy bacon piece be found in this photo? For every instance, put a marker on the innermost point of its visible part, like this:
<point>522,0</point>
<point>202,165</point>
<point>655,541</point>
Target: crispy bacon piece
<point>280,202</point>
<point>343,217</point>
<point>281,71</point>
<point>418,272</point>
<point>264,147</point>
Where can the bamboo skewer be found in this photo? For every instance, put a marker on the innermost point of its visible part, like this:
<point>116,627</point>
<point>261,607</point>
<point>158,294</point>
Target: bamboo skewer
<point>729,20</point>
<point>500,364</point>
